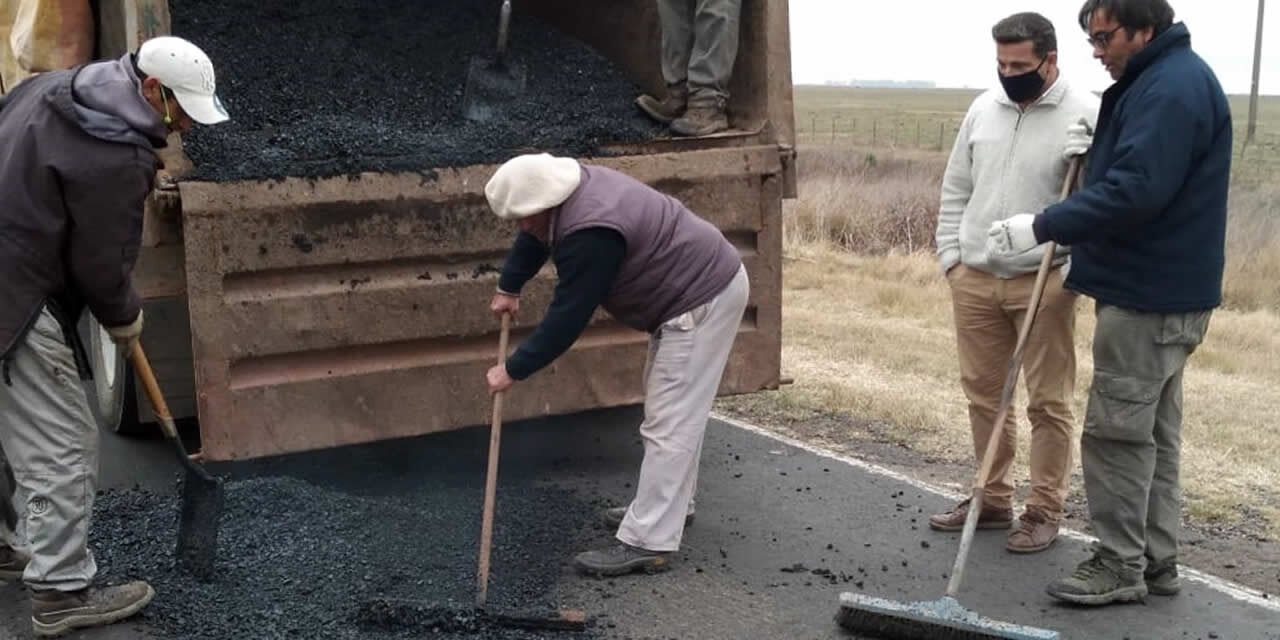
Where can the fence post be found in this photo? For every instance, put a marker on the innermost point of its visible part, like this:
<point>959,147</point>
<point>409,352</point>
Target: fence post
<point>917,134</point>
<point>941,129</point>
<point>875,131</point>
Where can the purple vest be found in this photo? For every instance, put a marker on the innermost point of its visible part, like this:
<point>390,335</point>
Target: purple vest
<point>675,261</point>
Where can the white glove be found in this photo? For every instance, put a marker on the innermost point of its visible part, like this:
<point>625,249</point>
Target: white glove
<point>1011,237</point>
<point>126,335</point>
<point>1079,139</point>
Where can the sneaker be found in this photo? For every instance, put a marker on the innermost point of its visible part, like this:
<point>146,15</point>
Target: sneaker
<point>703,118</point>
<point>57,612</point>
<point>1093,583</point>
<point>12,563</point>
<point>622,559</point>
<point>1035,532</point>
<point>668,109</point>
<point>1162,577</point>
<point>953,520</point>
<point>613,517</point>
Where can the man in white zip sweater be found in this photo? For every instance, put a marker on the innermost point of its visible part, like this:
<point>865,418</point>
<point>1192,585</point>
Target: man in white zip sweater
<point>1011,155</point>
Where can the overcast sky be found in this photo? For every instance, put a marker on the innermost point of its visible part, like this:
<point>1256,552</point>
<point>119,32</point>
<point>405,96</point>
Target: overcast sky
<point>949,41</point>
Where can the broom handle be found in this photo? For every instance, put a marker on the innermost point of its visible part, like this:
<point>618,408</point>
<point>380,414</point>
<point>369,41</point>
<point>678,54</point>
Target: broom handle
<point>1006,398</point>
<point>491,477</point>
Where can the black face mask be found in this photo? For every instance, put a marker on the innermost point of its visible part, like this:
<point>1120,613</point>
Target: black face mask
<point>1024,86</point>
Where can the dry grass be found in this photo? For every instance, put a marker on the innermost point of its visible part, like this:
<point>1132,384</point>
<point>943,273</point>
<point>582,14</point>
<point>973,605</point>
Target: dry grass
<point>868,329</point>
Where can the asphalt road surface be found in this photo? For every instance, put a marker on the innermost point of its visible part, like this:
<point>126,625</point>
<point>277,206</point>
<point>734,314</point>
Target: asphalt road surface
<point>781,530</point>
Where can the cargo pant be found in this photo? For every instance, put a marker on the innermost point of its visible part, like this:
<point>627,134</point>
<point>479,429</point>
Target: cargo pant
<point>989,312</point>
<point>49,439</point>
<point>1132,439</point>
<point>687,357</point>
<point>700,44</point>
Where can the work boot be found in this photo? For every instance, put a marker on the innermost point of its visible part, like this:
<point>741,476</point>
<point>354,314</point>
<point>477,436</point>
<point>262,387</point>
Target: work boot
<point>1094,583</point>
<point>1035,532</point>
<point>12,563</point>
<point>953,520</point>
<point>1162,577</point>
<point>666,110</point>
<point>57,612</point>
<point>613,517</point>
<point>704,117</point>
<point>622,559</point>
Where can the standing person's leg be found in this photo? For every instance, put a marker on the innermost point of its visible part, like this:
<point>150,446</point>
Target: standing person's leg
<point>13,562</point>
<point>1049,365</point>
<point>985,338</point>
<point>676,18</point>
<point>1164,506</point>
<point>52,445</point>
<point>1134,361</point>
<point>693,350</point>
<point>717,25</point>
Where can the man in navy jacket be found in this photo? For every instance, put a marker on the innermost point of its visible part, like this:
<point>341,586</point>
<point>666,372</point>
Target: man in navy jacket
<point>1147,233</point>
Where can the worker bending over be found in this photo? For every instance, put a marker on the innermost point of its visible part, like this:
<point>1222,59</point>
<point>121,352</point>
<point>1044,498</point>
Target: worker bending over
<point>654,266</point>
<point>76,166</point>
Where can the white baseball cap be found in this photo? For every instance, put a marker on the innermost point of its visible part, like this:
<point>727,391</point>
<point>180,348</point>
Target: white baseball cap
<point>186,71</point>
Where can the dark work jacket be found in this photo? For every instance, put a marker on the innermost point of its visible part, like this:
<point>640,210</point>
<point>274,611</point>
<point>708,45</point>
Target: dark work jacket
<point>1148,228</point>
<point>77,161</point>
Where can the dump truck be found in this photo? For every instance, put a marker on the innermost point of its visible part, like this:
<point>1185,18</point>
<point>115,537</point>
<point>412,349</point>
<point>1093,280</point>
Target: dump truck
<point>296,314</point>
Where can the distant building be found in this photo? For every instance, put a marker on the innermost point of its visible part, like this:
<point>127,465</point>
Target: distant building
<point>883,84</point>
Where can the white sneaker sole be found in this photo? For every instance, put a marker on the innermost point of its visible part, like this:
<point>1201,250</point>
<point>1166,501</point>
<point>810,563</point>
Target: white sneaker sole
<point>97,620</point>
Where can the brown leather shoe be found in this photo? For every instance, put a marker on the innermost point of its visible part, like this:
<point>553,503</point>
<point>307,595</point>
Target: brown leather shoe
<point>1035,532</point>
<point>990,518</point>
<point>668,109</point>
<point>704,117</point>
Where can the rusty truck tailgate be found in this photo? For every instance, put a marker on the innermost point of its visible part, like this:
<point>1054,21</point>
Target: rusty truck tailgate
<point>348,310</point>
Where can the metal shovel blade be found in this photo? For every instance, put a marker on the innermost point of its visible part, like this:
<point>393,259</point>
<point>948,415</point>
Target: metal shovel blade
<point>202,498</point>
<point>492,84</point>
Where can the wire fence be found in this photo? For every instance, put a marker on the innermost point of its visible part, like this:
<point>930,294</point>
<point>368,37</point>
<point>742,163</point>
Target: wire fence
<point>1259,162</point>
<point>925,133</point>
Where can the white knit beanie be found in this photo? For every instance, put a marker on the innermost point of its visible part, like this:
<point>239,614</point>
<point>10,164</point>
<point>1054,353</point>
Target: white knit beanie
<point>530,184</point>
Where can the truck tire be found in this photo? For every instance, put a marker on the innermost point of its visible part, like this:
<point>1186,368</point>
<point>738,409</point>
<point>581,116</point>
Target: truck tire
<point>111,393</point>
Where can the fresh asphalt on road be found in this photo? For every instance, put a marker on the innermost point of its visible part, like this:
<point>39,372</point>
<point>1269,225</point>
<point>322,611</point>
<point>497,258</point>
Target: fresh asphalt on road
<point>769,514</point>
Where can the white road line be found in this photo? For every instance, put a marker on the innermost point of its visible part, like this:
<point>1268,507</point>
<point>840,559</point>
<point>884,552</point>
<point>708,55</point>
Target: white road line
<point>1228,588</point>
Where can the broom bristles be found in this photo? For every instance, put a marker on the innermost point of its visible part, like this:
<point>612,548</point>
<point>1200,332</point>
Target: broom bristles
<point>941,619</point>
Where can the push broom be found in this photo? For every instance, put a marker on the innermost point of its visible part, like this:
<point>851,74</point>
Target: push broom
<point>946,618</point>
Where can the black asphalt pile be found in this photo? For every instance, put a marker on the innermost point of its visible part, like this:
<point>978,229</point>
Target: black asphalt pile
<point>335,87</point>
<point>297,560</point>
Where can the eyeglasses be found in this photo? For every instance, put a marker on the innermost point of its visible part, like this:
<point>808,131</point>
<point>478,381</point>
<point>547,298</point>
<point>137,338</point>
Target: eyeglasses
<point>1103,38</point>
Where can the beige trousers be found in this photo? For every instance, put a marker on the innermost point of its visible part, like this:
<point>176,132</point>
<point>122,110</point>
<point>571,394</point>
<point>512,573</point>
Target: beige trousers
<point>50,440</point>
<point>687,357</point>
<point>989,312</point>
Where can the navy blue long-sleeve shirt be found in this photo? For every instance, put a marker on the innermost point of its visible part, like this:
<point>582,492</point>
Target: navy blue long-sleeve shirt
<point>587,263</point>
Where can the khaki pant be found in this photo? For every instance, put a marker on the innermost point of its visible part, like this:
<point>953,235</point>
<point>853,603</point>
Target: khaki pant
<point>686,360</point>
<point>50,440</point>
<point>700,44</point>
<point>989,313</point>
<point>1132,438</point>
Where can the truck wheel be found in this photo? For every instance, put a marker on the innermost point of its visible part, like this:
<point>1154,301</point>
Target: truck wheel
<point>111,396</point>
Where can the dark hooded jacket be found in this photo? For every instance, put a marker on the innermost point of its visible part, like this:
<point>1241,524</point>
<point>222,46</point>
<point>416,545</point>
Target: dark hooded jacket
<point>77,162</point>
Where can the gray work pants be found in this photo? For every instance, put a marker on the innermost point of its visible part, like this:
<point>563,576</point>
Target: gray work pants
<point>1132,436</point>
<point>700,44</point>
<point>682,374</point>
<point>50,440</point>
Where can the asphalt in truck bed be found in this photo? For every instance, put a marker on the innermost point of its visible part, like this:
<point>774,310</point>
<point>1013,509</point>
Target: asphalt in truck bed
<point>321,88</point>
<point>780,532</point>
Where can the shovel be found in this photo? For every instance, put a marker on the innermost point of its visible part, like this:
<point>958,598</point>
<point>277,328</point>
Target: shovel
<point>201,492</point>
<point>493,83</point>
